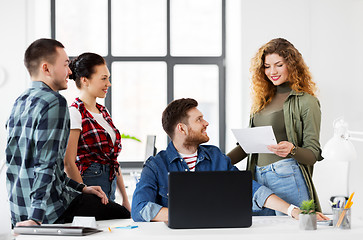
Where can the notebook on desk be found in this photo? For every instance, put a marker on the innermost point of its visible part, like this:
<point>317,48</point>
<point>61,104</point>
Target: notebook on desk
<point>210,199</point>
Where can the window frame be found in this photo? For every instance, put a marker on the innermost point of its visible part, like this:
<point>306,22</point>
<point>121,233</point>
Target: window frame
<point>170,61</point>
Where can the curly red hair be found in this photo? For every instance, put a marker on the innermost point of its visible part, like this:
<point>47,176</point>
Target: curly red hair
<point>299,75</point>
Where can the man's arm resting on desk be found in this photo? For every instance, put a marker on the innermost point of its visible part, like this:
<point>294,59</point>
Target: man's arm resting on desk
<point>148,212</point>
<point>162,215</point>
<point>272,202</point>
<point>276,203</point>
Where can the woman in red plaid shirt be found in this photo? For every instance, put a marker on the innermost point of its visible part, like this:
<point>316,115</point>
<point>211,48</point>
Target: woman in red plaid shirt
<point>94,141</point>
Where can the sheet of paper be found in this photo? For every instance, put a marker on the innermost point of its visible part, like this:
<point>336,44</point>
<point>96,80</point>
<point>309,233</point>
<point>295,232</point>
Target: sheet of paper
<point>256,139</point>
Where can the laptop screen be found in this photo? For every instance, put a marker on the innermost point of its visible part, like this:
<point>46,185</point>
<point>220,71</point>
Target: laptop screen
<point>218,199</point>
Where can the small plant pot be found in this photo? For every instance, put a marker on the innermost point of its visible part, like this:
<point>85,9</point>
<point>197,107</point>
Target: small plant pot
<point>307,221</point>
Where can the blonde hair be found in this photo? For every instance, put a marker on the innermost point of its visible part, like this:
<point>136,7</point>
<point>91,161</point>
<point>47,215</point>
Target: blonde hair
<point>299,75</point>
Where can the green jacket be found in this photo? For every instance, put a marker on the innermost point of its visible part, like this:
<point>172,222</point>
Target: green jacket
<point>302,117</point>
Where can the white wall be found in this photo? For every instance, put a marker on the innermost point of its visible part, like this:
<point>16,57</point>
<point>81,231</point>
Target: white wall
<point>336,63</point>
<point>21,22</point>
<point>329,34</point>
<point>13,43</point>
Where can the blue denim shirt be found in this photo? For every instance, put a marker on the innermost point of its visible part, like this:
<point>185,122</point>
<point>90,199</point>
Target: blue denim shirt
<point>151,192</point>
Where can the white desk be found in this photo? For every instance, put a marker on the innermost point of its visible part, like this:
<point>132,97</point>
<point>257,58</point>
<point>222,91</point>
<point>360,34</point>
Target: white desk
<point>266,228</point>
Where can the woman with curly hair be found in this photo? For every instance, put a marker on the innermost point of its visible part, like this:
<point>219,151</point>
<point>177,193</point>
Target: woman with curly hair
<point>283,96</point>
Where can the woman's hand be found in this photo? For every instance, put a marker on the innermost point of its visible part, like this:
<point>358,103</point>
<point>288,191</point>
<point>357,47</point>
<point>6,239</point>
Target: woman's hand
<point>96,190</point>
<point>126,204</point>
<point>282,149</point>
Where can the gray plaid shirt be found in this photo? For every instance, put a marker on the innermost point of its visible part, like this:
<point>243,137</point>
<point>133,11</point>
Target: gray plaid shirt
<point>38,130</point>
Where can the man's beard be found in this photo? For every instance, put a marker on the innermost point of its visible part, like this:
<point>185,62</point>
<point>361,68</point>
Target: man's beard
<point>194,139</point>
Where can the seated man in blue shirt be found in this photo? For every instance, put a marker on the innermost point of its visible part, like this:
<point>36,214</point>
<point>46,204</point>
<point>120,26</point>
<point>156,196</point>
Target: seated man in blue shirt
<point>186,127</point>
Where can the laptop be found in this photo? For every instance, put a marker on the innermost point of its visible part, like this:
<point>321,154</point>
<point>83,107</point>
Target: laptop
<point>218,199</point>
<point>55,229</point>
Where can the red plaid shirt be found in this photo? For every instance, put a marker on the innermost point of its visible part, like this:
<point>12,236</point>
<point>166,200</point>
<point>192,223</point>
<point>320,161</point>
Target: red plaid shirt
<point>95,144</point>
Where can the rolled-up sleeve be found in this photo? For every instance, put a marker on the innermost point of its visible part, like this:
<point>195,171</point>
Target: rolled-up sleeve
<point>149,211</point>
<point>259,192</point>
<point>259,195</point>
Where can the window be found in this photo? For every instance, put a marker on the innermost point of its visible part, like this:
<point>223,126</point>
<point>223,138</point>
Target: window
<point>82,26</point>
<point>138,27</point>
<point>138,100</point>
<point>196,27</point>
<point>157,51</point>
<point>201,83</point>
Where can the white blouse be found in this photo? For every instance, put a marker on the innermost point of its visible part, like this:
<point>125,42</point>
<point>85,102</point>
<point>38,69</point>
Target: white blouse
<point>76,122</point>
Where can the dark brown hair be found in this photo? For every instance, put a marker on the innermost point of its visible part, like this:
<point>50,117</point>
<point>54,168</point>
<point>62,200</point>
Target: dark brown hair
<point>84,66</point>
<point>40,50</point>
<point>176,112</point>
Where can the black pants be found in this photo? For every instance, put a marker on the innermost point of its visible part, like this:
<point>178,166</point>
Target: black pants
<point>89,205</point>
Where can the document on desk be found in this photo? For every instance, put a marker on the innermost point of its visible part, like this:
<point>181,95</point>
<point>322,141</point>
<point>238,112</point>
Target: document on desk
<point>256,139</point>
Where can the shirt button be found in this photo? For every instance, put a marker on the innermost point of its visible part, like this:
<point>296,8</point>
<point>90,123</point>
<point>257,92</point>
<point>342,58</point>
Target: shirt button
<point>186,169</point>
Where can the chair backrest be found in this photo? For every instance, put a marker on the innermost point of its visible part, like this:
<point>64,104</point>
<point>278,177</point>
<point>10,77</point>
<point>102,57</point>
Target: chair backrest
<point>150,149</point>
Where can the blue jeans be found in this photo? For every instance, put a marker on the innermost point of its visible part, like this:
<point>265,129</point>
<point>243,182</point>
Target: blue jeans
<point>285,179</point>
<point>98,175</point>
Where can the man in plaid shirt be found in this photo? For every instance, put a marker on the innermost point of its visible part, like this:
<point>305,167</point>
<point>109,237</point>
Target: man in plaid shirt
<point>38,129</point>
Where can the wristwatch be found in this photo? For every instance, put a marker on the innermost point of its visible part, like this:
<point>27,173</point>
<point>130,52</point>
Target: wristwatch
<point>80,187</point>
<point>293,151</point>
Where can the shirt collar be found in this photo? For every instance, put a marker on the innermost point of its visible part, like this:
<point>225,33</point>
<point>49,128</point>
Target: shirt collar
<point>81,104</point>
<point>39,84</point>
<point>293,92</point>
<point>173,154</point>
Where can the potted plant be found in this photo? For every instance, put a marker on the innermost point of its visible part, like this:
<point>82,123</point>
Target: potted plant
<point>307,217</point>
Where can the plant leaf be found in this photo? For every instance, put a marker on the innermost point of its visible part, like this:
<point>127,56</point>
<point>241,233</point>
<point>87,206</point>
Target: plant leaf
<point>308,207</point>
<point>125,136</point>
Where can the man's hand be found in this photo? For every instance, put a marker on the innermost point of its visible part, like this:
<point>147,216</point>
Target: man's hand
<point>27,223</point>
<point>96,190</point>
<point>282,149</point>
<point>295,213</point>
<point>319,216</point>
